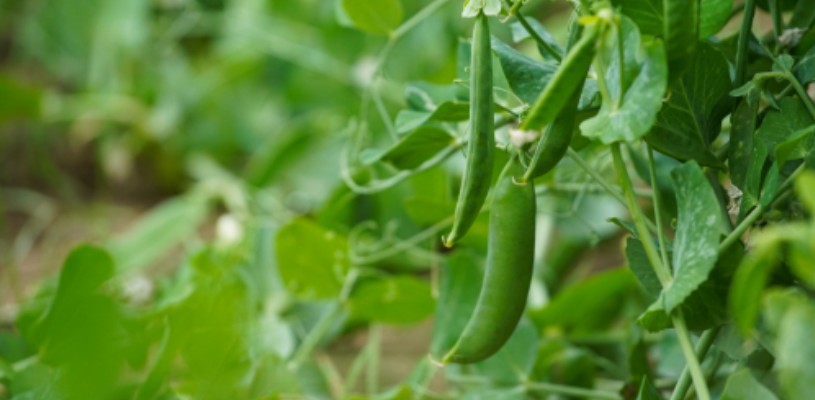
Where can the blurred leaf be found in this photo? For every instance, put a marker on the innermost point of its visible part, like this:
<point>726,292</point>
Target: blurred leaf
<point>691,118</point>
<point>19,99</point>
<point>795,349</point>
<point>396,300</point>
<point>695,248</point>
<point>164,227</point>
<point>589,304</point>
<point>425,211</point>
<point>632,109</point>
<point>312,262</point>
<point>379,17</point>
<point>514,360</point>
<point>459,286</point>
<point>805,189</point>
<point>648,391</point>
<point>749,282</point>
<point>417,147</point>
<point>564,363</point>
<point>742,385</point>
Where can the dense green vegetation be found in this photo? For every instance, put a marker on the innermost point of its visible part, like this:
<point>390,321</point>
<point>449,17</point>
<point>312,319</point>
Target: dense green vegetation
<point>254,199</point>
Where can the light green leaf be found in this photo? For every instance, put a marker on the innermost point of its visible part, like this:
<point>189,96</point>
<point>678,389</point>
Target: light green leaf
<point>795,350</point>
<point>697,235</point>
<point>312,262</point>
<point>417,147</point>
<point>692,117</point>
<point>748,284</point>
<point>380,17</point>
<point>742,385</point>
<point>167,225</point>
<point>805,189</point>
<point>397,300</point>
<point>632,116</point>
<point>713,15</point>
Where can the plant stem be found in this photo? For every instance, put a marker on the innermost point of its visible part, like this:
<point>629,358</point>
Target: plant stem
<point>662,272</point>
<point>778,19</point>
<point>571,391</point>
<point>802,93</point>
<point>744,39</point>
<point>538,39</point>
<point>663,252</point>
<point>416,19</point>
<point>702,348</point>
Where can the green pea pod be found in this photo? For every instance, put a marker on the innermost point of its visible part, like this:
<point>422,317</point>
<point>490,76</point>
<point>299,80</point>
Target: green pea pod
<point>478,174</point>
<point>569,76</point>
<point>508,274</point>
<point>556,139</point>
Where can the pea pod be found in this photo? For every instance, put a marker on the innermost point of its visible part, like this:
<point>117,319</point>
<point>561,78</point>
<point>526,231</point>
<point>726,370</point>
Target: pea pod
<point>508,274</point>
<point>478,173</point>
<point>556,139</point>
<point>569,76</point>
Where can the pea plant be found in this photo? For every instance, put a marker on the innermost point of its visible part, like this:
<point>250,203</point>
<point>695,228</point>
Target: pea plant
<point>583,199</point>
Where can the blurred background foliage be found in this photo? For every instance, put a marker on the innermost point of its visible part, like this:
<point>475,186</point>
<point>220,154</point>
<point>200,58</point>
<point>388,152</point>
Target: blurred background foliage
<point>198,144</point>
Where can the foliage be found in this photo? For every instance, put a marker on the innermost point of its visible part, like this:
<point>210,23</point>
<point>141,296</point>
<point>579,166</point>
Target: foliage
<point>306,156</point>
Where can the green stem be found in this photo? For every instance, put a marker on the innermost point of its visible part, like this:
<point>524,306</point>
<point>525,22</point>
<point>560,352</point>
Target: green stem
<point>602,182</point>
<point>416,19</point>
<point>660,269</point>
<point>702,348</point>
<point>662,272</point>
<point>663,252</point>
<point>313,338</point>
<point>802,93</point>
<point>778,19</point>
<point>571,391</point>
<point>538,39</point>
<point>744,39</point>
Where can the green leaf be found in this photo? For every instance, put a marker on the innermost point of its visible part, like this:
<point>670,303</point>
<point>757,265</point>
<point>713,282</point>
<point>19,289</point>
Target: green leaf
<point>19,99</point>
<point>681,33</point>
<point>742,134</point>
<point>648,391</point>
<point>749,282</point>
<point>417,147</point>
<point>167,225</point>
<point>397,300</point>
<point>713,15</point>
<point>649,15</point>
<point>692,117</point>
<point>448,111</point>
<point>425,211</point>
<point>312,262</point>
<point>742,385</point>
<point>514,358</point>
<point>587,305</point>
<point>800,145</point>
<point>379,17</point>
<point>805,189</point>
<point>527,77</point>
<point>631,116</point>
<point>780,125</point>
<point>795,350</point>
<point>459,286</point>
<point>804,70</point>
<point>697,235</point>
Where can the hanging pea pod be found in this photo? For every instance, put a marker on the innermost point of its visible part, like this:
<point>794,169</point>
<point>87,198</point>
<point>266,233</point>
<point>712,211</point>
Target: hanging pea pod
<point>508,273</point>
<point>477,176</point>
<point>569,76</point>
<point>555,141</point>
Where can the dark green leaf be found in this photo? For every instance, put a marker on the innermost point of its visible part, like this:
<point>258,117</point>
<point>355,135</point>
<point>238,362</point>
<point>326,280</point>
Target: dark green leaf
<point>742,134</point>
<point>648,391</point>
<point>526,77</point>
<point>691,119</point>
<point>800,145</point>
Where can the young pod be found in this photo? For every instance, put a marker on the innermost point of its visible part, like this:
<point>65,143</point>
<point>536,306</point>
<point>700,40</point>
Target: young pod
<point>508,273</point>
<point>477,176</point>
